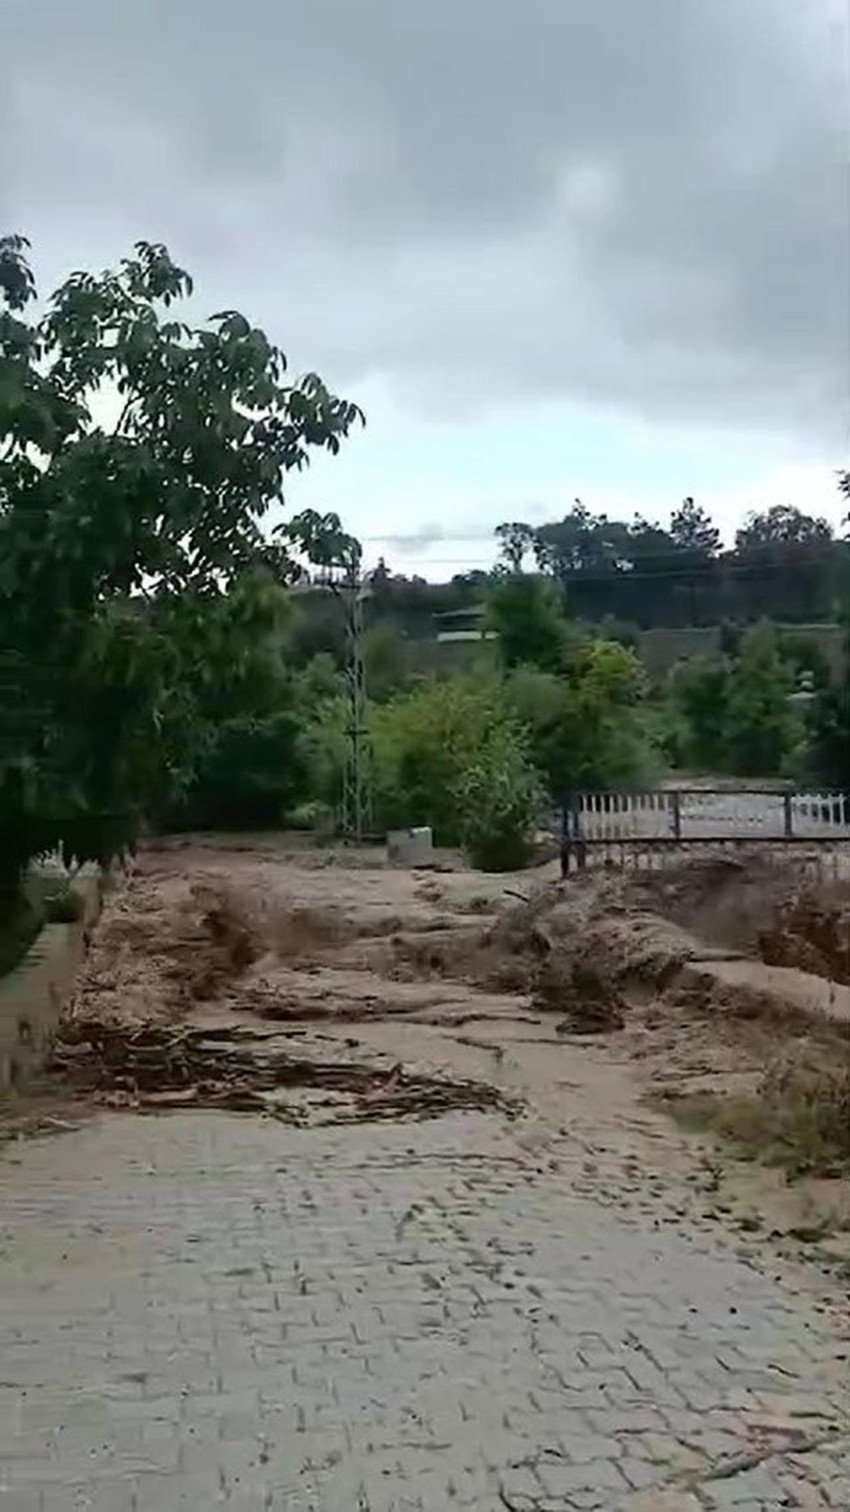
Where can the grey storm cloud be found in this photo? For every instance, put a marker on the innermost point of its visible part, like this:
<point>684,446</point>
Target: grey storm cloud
<point>635,202</point>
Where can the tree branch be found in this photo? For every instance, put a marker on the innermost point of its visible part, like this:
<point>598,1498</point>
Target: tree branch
<point>128,404</point>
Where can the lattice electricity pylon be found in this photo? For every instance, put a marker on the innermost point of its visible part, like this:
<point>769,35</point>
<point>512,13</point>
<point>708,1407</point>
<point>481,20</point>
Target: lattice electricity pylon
<point>356,806</point>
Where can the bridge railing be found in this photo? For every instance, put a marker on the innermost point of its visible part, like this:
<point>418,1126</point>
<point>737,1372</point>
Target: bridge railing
<point>700,816</point>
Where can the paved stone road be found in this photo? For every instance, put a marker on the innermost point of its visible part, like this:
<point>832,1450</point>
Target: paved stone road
<point>208,1310</point>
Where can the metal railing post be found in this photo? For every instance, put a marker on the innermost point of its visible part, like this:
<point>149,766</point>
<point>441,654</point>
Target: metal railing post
<point>566,845</point>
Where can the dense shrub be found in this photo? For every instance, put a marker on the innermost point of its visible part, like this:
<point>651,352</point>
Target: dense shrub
<point>480,758</point>
<point>425,744</point>
<point>500,802</point>
<point>761,729</point>
<point>829,728</point>
<point>250,774</point>
<point>697,692</point>
<point>731,714</point>
<point>587,728</point>
<point>386,662</point>
<point>525,613</point>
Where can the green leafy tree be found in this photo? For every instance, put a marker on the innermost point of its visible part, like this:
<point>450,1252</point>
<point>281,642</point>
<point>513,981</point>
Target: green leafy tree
<point>648,549</point>
<point>697,693</point>
<point>247,768</point>
<point>789,564</point>
<point>501,800</point>
<point>760,728</point>
<point>516,542</point>
<point>318,626</point>
<point>324,717</point>
<point>424,742</point>
<point>732,713</point>
<point>322,541</point>
<point>782,526</point>
<point>385,662</point>
<point>785,565</point>
<point>526,616</point>
<point>570,545</point>
<point>804,658</point>
<point>319,683</point>
<point>692,530</point>
<point>104,526</point>
<point>844,488</point>
<point>586,727</point>
<point>829,726</point>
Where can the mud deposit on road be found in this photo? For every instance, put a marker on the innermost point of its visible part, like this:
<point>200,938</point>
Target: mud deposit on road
<point>316,988</point>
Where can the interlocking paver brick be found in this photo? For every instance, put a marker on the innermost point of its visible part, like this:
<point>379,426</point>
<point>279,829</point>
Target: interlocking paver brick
<point>209,1311</point>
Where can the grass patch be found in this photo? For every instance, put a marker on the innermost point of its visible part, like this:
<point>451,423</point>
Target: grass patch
<point>798,1117</point>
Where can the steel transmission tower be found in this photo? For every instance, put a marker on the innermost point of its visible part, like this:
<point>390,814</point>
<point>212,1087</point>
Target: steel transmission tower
<point>357,784</point>
<point>356,807</point>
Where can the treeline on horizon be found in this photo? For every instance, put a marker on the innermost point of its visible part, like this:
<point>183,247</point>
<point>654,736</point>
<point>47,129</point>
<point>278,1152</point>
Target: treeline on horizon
<point>785,565</point>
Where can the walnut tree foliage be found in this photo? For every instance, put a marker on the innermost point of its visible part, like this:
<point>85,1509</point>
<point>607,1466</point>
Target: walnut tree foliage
<point>119,537</point>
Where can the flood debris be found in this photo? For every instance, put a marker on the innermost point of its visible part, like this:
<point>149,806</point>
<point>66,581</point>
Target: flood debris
<point>157,1067</point>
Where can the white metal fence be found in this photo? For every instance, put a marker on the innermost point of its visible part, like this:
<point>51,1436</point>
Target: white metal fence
<point>691,814</point>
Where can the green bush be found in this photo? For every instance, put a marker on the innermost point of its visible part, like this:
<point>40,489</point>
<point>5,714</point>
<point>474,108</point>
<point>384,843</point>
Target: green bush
<point>500,801</point>
<point>525,613</point>
<point>829,727</point>
<point>425,743</point>
<point>697,694</point>
<point>587,728</point>
<point>386,662</point>
<point>322,749</point>
<point>731,714</point>
<point>761,729</point>
<point>250,773</point>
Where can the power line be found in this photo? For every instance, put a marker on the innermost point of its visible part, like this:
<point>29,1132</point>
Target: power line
<point>719,567</point>
<point>422,539</point>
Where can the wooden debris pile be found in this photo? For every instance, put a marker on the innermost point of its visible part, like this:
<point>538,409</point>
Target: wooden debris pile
<point>160,1067</point>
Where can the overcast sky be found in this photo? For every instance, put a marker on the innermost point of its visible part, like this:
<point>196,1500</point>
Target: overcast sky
<point>553,247</point>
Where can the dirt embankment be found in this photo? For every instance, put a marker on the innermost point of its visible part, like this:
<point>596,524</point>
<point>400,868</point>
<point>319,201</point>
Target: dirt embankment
<point>294,944</point>
<point>784,910</point>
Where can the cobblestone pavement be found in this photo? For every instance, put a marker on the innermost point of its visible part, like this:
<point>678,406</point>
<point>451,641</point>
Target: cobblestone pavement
<point>208,1310</point>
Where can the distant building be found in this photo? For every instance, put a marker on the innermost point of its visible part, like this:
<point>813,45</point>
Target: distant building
<point>463,625</point>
